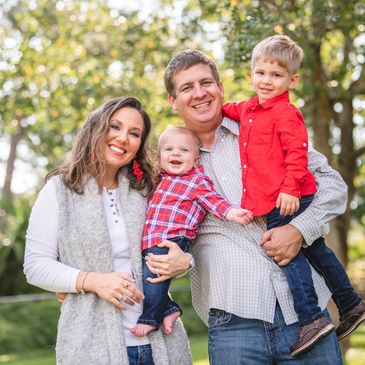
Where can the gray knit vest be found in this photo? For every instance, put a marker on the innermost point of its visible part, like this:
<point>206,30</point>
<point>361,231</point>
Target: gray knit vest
<point>90,329</point>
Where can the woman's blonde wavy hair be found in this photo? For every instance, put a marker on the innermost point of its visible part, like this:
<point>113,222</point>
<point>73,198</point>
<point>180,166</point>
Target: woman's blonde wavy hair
<point>87,155</point>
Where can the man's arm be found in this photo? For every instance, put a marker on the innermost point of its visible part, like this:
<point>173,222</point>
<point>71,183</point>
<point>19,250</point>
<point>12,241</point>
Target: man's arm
<point>329,201</point>
<point>283,243</point>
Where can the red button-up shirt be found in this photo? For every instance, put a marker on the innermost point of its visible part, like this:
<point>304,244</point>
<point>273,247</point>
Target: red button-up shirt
<point>273,150</point>
<point>178,206</point>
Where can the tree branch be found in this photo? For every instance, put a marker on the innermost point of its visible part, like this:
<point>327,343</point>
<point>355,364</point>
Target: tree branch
<point>358,86</point>
<point>359,152</point>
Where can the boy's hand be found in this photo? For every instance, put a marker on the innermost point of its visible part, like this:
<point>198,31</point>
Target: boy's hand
<point>239,215</point>
<point>288,204</point>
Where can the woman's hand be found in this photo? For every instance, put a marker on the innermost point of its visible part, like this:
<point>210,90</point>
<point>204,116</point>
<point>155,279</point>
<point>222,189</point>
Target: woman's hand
<point>61,297</point>
<point>175,263</point>
<point>116,288</point>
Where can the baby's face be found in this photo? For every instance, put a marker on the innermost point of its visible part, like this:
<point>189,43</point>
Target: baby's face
<point>178,153</point>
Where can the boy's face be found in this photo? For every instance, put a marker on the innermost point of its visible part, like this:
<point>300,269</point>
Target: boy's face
<point>178,153</point>
<point>270,79</point>
<point>198,97</point>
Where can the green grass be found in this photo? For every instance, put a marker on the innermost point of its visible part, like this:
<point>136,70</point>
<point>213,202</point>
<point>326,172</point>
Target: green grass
<point>39,357</point>
<point>354,356</point>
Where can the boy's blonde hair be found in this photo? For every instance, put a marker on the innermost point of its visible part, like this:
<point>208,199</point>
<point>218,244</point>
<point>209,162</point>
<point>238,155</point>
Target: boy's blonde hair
<point>279,48</point>
<point>179,130</point>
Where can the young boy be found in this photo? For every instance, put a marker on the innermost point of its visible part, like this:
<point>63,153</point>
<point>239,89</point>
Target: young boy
<point>174,213</point>
<point>277,183</point>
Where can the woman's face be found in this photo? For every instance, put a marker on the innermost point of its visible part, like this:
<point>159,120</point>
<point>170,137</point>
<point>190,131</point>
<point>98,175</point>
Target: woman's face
<point>123,139</point>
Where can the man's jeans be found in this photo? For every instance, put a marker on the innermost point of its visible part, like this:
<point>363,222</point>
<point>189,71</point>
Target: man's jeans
<point>299,275</point>
<point>238,341</point>
<point>157,304</point>
<point>140,355</point>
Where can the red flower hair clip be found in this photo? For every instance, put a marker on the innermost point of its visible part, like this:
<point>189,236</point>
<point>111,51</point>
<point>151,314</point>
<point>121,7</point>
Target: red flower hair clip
<point>138,173</point>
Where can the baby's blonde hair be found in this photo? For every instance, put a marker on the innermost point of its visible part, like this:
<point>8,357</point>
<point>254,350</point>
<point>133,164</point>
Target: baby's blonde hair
<point>179,130</point>
<point>279,48</point>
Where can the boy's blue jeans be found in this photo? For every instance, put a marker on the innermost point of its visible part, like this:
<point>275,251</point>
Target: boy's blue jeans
<point>325,262</point>
<point>140,355</point>
<point>157,304</point>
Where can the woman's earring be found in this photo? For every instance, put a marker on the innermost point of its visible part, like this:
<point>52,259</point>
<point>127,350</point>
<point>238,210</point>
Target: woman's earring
<point>138,173</point>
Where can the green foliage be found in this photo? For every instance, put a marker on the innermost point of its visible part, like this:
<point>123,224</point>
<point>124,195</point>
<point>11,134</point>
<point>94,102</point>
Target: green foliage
<point>12,246</point>
<point>29,325</point>
<point>181,293</point>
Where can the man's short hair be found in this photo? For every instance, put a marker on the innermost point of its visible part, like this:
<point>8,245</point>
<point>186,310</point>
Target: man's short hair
<point>279,48</point>
<point>183,61</point>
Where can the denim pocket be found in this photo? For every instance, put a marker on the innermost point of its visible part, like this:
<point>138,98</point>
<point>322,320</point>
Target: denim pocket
<point>218,318</point>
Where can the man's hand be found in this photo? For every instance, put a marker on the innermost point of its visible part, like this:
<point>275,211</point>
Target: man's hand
<point>282,243</point>
<point>176,262</point>
<point>288,204</point>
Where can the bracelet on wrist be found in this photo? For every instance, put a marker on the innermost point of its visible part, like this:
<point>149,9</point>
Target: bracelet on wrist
<point>82,290</point>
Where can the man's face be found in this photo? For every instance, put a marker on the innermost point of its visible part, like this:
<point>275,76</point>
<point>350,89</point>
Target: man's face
<point>198,97</point>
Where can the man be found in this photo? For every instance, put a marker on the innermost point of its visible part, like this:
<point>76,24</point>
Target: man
<point>238,289</point>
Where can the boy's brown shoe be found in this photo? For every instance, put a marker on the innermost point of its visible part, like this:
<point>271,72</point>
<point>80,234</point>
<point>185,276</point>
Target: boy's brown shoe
<point>351,320</point>
<point>310,334</point>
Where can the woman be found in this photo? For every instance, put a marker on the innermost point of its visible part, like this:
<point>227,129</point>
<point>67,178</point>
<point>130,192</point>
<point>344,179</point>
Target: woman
<point>84,238</point>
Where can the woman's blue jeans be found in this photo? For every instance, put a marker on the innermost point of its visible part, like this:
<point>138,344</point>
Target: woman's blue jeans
<point>140,355</point>
<point>238,341</point>
<point>299,275</point>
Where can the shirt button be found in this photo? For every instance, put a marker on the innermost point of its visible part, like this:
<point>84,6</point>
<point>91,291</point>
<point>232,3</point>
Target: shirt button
<point>160,191</point>
<point>244,190</point>
<point>153,205</point>
<point>116,221</point>
<point>244,166</point>
<point>250,120</point>
<point>304,145</point>
<point>245,143</point>
<point>147,222</point>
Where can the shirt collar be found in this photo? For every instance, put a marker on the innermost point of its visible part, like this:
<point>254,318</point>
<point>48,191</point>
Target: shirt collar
<point>254,102</point>
<point>231,125</point>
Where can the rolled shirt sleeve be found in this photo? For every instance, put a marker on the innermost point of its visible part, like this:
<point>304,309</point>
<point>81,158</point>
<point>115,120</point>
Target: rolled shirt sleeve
<point>329,201</point>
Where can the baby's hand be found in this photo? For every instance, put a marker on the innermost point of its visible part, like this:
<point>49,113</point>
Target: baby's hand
<point>239,215</point>
<point>288,204</point>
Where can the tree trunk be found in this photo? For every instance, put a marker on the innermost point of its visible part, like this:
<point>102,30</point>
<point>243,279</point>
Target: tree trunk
<point>14,141</point>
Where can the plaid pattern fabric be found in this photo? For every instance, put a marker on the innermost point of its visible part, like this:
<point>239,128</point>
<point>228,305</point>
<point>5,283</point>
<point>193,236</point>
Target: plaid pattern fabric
<point>178,206</point>
<point>232,271</point>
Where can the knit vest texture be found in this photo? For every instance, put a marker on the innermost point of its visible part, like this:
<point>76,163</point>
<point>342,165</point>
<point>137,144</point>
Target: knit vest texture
<point>90,329</point>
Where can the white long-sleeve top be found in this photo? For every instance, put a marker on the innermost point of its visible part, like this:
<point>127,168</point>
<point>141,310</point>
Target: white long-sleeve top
<point>41,265</point>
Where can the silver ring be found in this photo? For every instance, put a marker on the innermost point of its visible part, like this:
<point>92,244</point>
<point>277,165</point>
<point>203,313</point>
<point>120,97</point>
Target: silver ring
<point>121,298</point>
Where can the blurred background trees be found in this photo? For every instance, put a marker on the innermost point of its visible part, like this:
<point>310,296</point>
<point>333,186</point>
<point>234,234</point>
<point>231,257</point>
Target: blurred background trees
<point>61,59</point>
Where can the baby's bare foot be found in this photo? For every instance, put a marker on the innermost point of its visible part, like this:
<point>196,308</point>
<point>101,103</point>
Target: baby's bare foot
<point>169,321</point>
